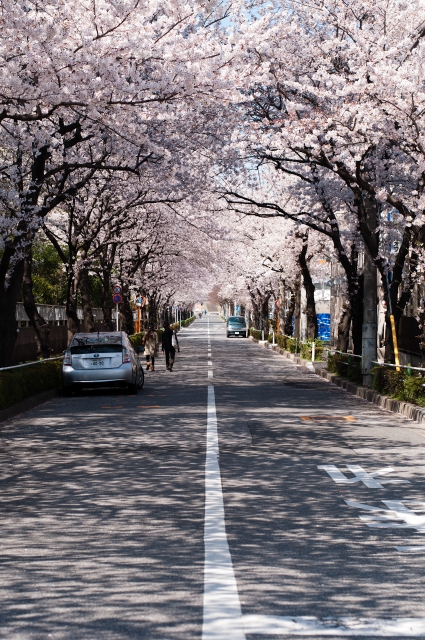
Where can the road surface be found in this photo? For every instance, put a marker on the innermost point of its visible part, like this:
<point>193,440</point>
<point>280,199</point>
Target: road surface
<point>237,497</point>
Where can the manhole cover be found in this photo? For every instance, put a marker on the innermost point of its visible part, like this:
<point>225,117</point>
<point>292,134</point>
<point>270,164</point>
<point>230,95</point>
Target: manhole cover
<point>328,418</point>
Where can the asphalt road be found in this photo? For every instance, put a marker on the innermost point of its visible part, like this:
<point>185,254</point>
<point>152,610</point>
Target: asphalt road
<point>235,498</point>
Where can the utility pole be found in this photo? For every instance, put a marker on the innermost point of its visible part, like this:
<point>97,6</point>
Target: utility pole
<point>370,301</point>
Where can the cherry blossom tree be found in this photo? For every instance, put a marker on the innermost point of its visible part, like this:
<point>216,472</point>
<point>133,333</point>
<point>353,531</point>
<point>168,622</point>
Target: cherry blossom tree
<point>87,87</point>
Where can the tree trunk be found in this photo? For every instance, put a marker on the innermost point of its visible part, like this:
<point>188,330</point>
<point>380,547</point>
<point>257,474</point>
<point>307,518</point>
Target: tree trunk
<point>255,310</point>
<point>344,327</point>
<point>357,319</point>
<point>264,306</point>
<point>8,300</point>
<point>107,300</point>
<point>88,318</point>
<point>127,322</point>
<point>309,292</point>
<point>287,327</point>
<point>73,322</point>
<point>40,326</point>
<point>297,308</point>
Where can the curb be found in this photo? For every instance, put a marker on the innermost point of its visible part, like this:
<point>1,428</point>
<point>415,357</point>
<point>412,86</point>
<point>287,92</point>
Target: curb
<point>308,364</point>
<point>28,404</point>
<point>406,409</point>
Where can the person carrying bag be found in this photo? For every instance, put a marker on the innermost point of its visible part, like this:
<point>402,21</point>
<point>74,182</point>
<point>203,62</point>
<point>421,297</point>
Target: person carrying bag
<point>151,347</point>
<point>169,344</point>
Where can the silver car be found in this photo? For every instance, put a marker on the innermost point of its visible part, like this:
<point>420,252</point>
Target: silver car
<point>104,359</point>
<point>236,326</point>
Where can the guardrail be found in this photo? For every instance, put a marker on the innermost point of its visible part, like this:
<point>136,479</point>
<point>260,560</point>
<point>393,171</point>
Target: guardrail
<point>408,367</point>
<point>27,364</point>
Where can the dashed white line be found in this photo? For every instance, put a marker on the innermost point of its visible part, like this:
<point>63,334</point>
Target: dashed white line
<point>210,374</point>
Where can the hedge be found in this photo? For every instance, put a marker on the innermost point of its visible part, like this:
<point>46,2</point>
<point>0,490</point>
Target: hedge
<point>23,382</point>
<point>304,349</point>
<point>403,385</point>
<point>345,365</point>
<point>188,322</point>
<point>256,334</point>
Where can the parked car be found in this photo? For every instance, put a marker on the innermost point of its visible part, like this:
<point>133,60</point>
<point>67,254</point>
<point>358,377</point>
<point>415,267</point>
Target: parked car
<point>103,359</point>
<point>236,326</point>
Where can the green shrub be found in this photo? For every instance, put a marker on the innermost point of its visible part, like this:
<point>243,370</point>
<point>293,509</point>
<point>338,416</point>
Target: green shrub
<point>292,344</point>
<point>307,350</point>
<point>347,366</point>
<point>23,382</point>
<point>414,390</point>
<point>137,339</point>
<point>255,333</point>
<point>399,384</point>
<point>188,322</point>
<point>281,341</point>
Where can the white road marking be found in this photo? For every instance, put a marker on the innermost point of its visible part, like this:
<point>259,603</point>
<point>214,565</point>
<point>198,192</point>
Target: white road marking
<point>396,511</point>
<point>222,618</point>
<point>222,614</point>
<point>360,475</point>
<point>210,363</point>
<point>210,374</point>
<point>311,626</point>
<point>412,549</point>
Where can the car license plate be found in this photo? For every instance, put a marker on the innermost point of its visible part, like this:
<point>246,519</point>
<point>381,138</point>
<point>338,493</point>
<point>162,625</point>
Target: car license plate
<point>98,363</point>
<point>236,333</point>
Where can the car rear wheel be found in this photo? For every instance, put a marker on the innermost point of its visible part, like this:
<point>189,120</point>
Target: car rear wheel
<point>141,379</point>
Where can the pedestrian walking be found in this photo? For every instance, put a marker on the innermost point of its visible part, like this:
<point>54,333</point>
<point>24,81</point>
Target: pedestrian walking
<point>151,347</point>
<point>169,344</point>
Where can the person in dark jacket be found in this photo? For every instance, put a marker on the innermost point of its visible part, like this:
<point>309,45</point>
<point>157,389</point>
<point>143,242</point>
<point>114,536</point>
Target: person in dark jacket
<point>169,344</point>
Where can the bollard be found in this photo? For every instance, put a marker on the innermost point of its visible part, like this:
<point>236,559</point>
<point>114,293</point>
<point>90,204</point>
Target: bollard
<point>313,352</point>
<point>262,335</point>
<point>273,339</point>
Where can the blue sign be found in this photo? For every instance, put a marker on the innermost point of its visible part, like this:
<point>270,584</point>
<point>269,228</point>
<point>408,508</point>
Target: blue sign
<point>324,326</point>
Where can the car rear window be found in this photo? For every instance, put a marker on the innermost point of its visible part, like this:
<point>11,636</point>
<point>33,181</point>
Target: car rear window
<point>237,320</point>
<point>96,348</point>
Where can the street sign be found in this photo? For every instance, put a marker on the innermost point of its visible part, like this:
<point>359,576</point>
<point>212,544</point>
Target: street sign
<point>117,298</point>
<point>140,302</point>
<point>117,289</point>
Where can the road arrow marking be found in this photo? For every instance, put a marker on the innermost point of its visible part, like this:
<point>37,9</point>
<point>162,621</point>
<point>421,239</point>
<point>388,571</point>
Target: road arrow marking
<point>360,475</point>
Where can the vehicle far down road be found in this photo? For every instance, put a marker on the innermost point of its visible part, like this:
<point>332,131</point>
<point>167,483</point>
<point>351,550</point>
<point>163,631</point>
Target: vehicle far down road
<point>236,498</point>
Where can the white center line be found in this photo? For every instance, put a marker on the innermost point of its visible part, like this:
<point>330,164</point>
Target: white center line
<point>222,609</point>
<point>222,614</point>
<point>210,363</point>
<point>210,374</point>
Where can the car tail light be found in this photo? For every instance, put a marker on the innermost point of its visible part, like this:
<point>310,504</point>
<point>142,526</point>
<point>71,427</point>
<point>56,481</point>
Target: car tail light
<point>67,359</point>
<point>125,356</point>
